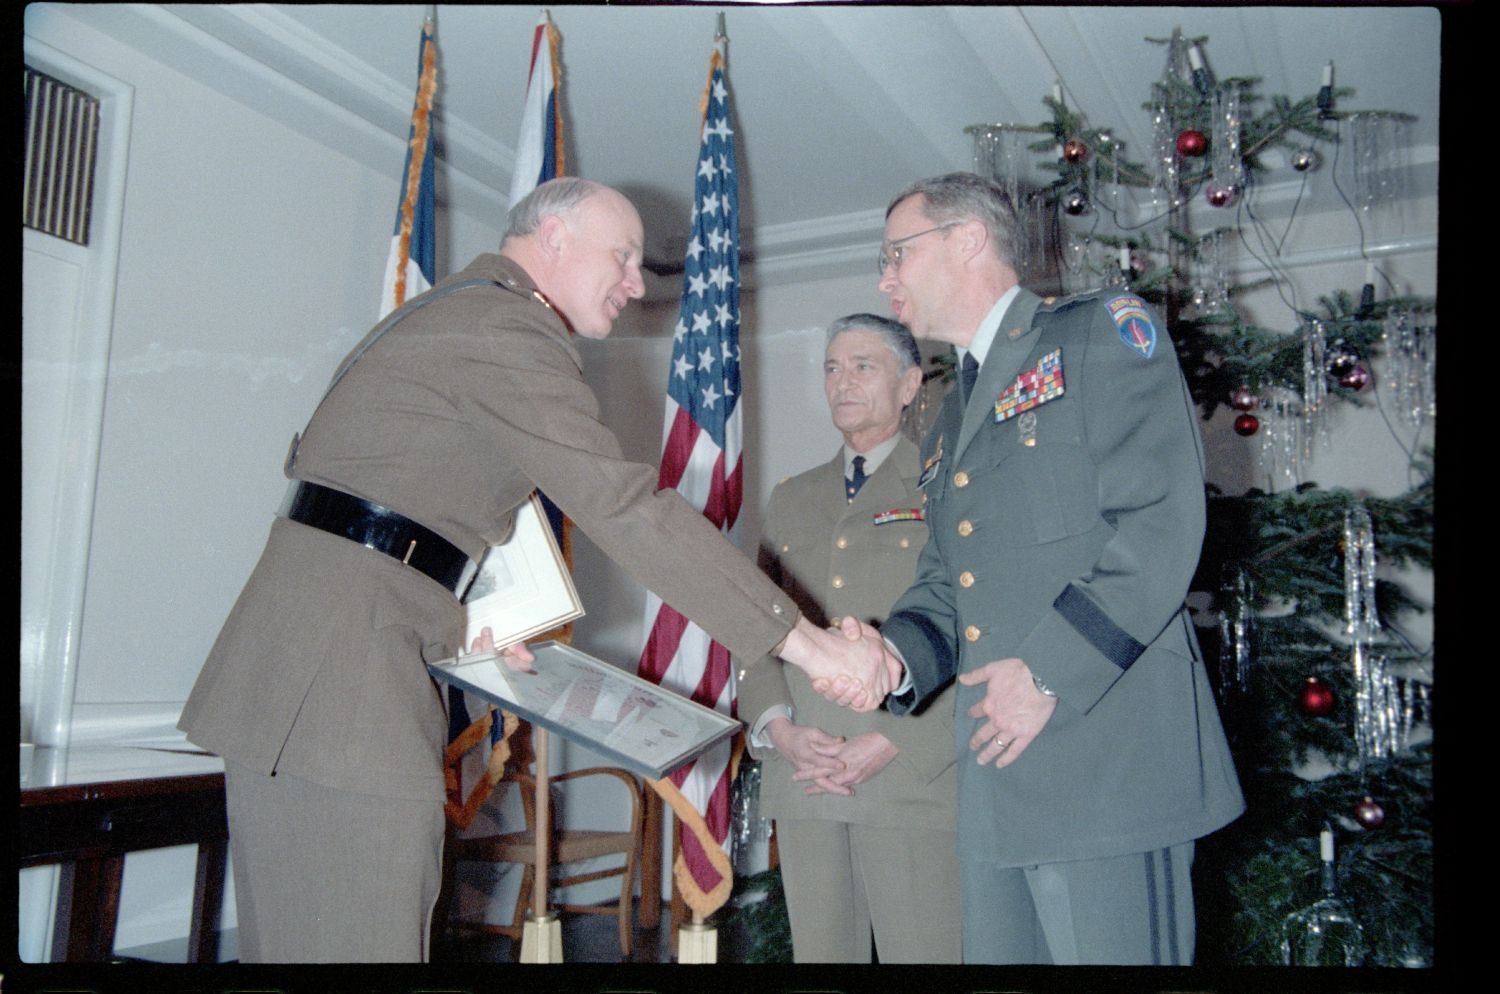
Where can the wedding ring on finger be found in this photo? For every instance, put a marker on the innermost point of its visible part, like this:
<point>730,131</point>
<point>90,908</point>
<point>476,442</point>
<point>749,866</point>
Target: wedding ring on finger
<point>1001,744</point>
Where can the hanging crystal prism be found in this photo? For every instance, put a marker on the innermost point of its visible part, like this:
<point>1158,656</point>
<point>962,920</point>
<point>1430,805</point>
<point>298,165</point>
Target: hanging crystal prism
<point>1002,153</point>
<point>1211,292</point>
<point>1409,348</point>
<point>1281,445</point>
<point>1380,151</point>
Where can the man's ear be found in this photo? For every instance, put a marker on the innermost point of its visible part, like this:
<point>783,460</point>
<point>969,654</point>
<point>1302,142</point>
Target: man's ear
<point>973,238</point>
<point>551,236</point>
<point>911,382</point>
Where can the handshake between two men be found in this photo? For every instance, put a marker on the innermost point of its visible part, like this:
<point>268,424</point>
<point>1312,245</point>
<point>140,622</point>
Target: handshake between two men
<point>856,668</point>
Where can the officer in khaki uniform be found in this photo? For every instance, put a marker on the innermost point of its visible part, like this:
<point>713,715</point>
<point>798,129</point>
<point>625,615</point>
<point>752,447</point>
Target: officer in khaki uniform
<point>864,803</point>
<point>1064,486</point>
<point>315,692</point>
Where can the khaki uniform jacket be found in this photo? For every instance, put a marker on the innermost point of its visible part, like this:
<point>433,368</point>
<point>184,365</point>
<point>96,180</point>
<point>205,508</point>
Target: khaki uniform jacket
<point>1069,540</point>
<point>451,418</point>
<point>835,561</point>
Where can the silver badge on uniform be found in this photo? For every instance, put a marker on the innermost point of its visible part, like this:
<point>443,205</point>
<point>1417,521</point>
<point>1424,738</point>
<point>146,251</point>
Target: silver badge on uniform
<point>1026,425</point>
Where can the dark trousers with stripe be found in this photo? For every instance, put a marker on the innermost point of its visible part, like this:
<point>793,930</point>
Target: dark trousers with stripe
<point>1123,910</point>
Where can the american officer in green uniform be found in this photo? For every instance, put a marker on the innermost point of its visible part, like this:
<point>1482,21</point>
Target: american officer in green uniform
<point>1064,485</point>
<point>864,803</point>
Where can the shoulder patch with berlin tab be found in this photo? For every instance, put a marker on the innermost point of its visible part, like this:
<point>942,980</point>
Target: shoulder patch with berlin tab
<point>1133,320</point>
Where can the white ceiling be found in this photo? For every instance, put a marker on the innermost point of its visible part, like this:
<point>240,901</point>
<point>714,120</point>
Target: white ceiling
<point>838,106</point>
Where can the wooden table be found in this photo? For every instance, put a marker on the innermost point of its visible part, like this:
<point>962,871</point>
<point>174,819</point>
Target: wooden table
<point>85,808</point>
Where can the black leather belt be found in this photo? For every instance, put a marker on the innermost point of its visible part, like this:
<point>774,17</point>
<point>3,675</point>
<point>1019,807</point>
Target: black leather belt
<point>380,528</point>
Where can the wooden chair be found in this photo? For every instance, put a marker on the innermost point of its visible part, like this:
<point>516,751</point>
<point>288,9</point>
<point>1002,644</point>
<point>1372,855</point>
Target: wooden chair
<point>568,846</point>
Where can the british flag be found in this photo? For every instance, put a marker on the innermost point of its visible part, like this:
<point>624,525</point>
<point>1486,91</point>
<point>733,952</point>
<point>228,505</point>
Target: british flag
<point>701,455</point>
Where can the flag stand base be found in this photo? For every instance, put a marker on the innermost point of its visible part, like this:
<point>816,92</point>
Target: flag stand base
<point>541,939</point>
<point>697,942</point>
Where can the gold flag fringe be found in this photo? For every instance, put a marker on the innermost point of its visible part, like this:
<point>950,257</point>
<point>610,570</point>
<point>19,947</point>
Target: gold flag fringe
<point>703,903</point>
<point>421,120</point>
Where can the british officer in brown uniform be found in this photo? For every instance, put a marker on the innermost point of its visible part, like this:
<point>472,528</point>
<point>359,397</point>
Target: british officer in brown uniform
<point>436,429</point>
<point>864,803</point>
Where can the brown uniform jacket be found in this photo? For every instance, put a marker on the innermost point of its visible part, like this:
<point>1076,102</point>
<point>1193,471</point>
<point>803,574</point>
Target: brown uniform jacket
<point>832,557</point>
<point>451,418</point>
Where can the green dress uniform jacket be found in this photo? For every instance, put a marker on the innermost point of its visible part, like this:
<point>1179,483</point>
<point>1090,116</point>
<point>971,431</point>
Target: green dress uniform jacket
<point>451,418</point>
<point>1068,539</point>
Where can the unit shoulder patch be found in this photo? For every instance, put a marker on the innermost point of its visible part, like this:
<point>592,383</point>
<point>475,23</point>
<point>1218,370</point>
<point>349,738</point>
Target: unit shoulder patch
<point>1133,320</point>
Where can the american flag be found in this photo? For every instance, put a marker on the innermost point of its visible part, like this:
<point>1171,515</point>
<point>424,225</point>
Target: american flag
<point>411,267</point>
<point>701,452</point>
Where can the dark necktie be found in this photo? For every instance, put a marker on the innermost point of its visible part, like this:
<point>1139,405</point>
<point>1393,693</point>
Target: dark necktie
<point>970,375</point>
<point>852,485</point>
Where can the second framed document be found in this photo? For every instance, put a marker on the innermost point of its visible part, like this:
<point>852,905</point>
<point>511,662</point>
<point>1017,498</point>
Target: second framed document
<point>522,588</point>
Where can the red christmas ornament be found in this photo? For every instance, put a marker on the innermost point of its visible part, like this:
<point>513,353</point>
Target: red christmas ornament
<point>1075,151</point>
<point>1242,399</point>
<point>1247,424</point>
<point>1316,697</point>
<point>1368,813</point>
<point>1219,196</point>
<point>1191,143</point>
<point>1356,379</point>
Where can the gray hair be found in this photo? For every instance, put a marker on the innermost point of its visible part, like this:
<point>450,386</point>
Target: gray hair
<point>559,196</point>
<point>961,196</point>
<point>895,336</point>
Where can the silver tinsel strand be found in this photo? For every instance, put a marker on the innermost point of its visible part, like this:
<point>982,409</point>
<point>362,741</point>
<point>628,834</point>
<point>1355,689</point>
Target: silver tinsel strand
<point>1314,387</point>
<point>1409,350</point>
<point>1228,166</point>
<point>1378,707</point>
<point>1236,629</point>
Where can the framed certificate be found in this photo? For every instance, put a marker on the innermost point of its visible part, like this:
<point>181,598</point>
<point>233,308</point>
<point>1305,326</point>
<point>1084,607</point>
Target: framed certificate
<point>523,587</point>
<point>645,728</point>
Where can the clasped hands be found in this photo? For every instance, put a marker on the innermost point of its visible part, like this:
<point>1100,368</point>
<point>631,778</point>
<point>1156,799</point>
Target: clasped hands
<point>850,666</point>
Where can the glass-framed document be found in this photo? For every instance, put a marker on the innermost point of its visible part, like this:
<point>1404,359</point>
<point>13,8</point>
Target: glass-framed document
<point>523,587</point>
<point>643,727</point>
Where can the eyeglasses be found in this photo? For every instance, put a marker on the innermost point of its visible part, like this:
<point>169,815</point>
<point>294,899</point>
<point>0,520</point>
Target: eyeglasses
<point>890,252</point>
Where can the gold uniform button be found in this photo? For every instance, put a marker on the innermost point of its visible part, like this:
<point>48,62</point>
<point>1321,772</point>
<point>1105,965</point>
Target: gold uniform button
<point>960,479</point>
<point>966,579</point>
<point>924,498</point>
<point>966,528</point>
<point>972,633</point>
<point>842,542</point>
<point>1048,300</point>
<point>905,543</point>
<point>838,582</point>
<point>786,548</point>
<point>1014,333</point>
